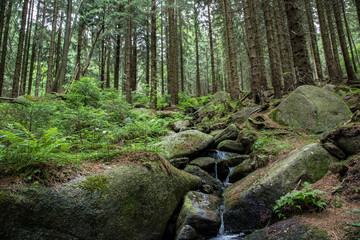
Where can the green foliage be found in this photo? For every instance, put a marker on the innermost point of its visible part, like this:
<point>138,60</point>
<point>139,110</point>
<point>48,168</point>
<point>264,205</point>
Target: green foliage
<point>187,102</point>
<point>353,228</point>
<point>84,92</point>
<point>306,199</point>
<point>261,144</point>
<point>96,183</point>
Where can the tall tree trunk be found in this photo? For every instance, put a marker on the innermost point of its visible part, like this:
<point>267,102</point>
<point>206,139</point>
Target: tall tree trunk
<point>33,50</point>
<point>197,77</point>
<point>51,50</point>
<point>117,60</point>
<point>2,17</point>
<point>162,55</point>
<point>313,39</point>
<point>128,55</point>
<point>102,64</point>
<point>213,77</point>
<point>173,54</point>
<point>357,3</point>
<point>87,62</point>
<point>147,61</point>
<point>298,43</point>
<point>4,46</point>
<point>81,29</point>
<point>26,49</point>
<point>134,62</point>
<point>15,86</point>
<point>60,75</point>
<point>182,80</point>
<point>153,92</point>
<point>108,58</point>
<point>348,33</point>
<point>350,71</point>
<point>285,47</point>
<point>41,38</point>
<point>327,4</point>
<point>275,67</point>
<point>255,83</point>
<point>334,75</point>
<point>58,45</point>
<point>233,78</point>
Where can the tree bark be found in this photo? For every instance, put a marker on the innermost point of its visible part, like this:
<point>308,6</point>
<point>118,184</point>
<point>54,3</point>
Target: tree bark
<point>162,55</point>
<point>117,60</point>
<point>153,92</point>
<point>181,51</point>
<point>197,77</point>
<point>173,54</point>
<point>2,17</point>
<point>134,62</point>
<point>102,64</point>
<point>81,29</point>
<point>60,75</point>
<point>348,33</point>
<point>350,71</point>
<point>128,55</point>
<point>275,68</point>
<point>357,4</point>
<point>108,58</point>
<point>302,65</point>
<point>41,38</point>
<point>313,39</point>
<point>4,46</point>
<point>58,45</point>
<point>147,61</point>
<point>334,75</point>
<point>15,86</point>
<point>213,76</point>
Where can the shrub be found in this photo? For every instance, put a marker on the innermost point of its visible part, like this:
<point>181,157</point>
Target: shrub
<point>84,92</point>
<point>304,200</point>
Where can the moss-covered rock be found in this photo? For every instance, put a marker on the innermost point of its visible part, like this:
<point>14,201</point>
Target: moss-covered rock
<point>229,133</point>
<point>230,146</point>
<point>243,115</point>
<point>180,163</point>
<point>205,163</point>
<point>250,201</point>
<point>200,212</point>
<point>308,107</point>
<point>185,144</point>
<point>241,171</point>
<point>289,229</point>
<point>136,203</point>
<point>207,179</point>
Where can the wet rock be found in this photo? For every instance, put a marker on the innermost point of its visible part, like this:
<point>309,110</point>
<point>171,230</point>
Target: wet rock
<point>180,163</point>
<point>134,203</point>
<point>241,171</point>
<point>249,202</point>
<point>205,176</point>
<point>229,133</point>
<point>200,212</point>
<point>207,189</point>
<point>289,229</point>
<point>230,146</point>
<point>308,107</point>
<point>187,233</point>
<point>222,170</point>
<point>185,144</point>
<point>205,163</point>
<point>234,161</point>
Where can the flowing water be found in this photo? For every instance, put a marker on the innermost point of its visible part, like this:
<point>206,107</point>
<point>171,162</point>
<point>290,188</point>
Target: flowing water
<point>219,155</point>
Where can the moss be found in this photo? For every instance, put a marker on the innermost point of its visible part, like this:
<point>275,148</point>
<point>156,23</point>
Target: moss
<point>95,183</point>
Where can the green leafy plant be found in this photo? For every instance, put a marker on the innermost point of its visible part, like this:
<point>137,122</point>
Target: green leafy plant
<point>304,200</point>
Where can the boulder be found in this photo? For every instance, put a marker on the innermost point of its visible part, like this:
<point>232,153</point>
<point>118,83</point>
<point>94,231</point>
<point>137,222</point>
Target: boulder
<point>205,163</point>
<point>185,144</point>
<point>289,229</point>
<point>235,160</point>
<point>221,96</point>
<point>229,133</point>
<point>200,213</point>
<point>207,179</point>
<point>243,115</point>
<point>249,202</point>
<point>241,171</point>
<point>181,125</point>
<point>308,107</point>
<point>180,163</point>
<point>132,202</point>
<point>230,146</point>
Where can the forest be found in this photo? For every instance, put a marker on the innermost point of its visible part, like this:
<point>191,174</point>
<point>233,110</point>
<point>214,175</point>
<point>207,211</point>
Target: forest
<point>111,109</point>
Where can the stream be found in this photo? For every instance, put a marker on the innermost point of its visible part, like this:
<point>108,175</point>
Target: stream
<point>219,155</point>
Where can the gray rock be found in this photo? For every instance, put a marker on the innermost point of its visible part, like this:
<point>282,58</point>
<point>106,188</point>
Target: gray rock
<point>334,150</point>
<point>289,229</point>
<point>218,126</point>
<point>308,107</point>
<point>243,115</point>
<point>187,232</point>
<point>241,171</point>
<point>349,145</point>
<point>234,161</point>
<point>249,202</point>
<point>200,212</point>
<point>229,133</point>
<point>181,125</point>
<point>205,163</point>
<point>230,146</point>
<point>180,163</point>
<point>205,176</point>
<point>216,132</point>
<point>221,96</point>
<point>134,203</point>
<point>185,144</point>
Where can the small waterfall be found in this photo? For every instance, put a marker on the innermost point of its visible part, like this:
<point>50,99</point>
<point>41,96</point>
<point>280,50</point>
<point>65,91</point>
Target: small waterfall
<point>219,155</point>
